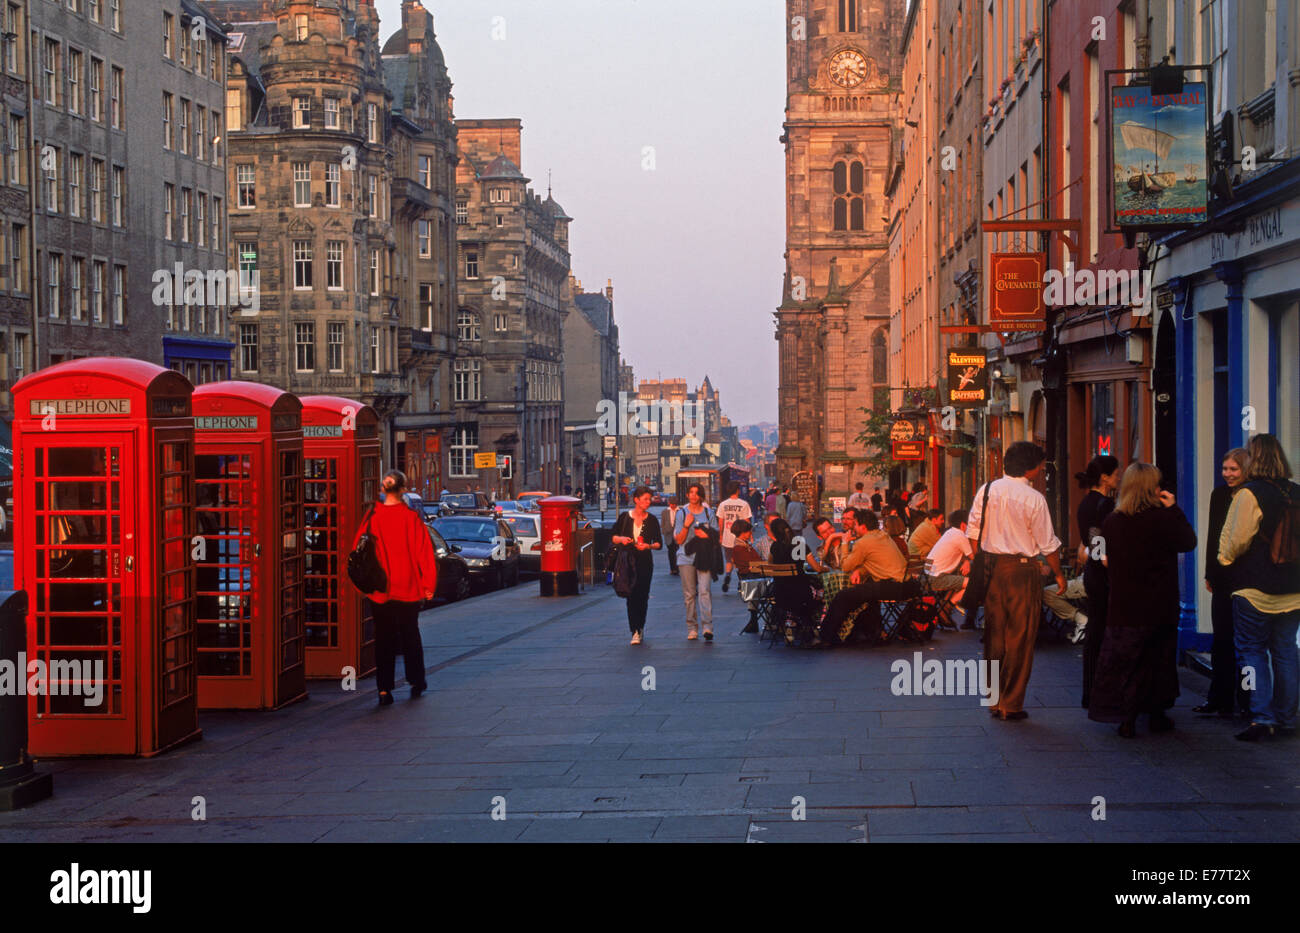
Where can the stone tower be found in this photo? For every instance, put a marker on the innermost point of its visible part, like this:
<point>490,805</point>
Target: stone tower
<point>833,322</point>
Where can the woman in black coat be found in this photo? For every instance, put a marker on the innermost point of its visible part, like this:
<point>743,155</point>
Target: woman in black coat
<point>1226,695</point>
<point>1137,670</point>
<point>1101,479</point>
<point>638,530</point>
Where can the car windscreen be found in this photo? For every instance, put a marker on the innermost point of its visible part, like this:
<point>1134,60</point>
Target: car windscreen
<point>465,529</point>
<point>524,527</point>
<point>460,501</point>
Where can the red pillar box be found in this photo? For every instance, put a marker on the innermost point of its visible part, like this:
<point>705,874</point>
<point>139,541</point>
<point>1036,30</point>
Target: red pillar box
<point>559,551</point>
<point>248,489</point>
<point>103,531</point>
<point>340,445</point>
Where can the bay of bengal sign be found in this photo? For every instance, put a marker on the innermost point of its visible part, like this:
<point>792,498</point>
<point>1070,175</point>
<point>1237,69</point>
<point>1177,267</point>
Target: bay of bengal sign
<point>1016,291</point>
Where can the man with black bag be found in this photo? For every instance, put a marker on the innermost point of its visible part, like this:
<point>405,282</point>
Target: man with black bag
<point>1011,528</point>
<point>636,537</point>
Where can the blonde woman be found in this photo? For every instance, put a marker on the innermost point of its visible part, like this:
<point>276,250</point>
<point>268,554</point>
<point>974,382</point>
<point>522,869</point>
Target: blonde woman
<point>1226,695</point>
<point>1137,670</point>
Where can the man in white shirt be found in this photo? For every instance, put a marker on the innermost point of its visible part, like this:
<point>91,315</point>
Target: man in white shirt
<point>1017,531</point>
<point>859,498</point>
<point>731,510</point>
<point>949,559</point>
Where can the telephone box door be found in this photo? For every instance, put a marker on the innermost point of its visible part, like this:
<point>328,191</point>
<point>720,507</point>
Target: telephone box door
<point>79,571</point>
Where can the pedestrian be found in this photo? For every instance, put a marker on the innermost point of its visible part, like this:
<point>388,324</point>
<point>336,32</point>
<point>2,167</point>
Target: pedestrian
<point>782,502</point>
<point>1226,696</point>
<point>692,520</point>
<point>795,516</point>
<point>406,553</point>
<point>1019,532</point>
<point>1137,669</point>
<point>731,510</point>
<point>877,500</point>
<point>668,518</point>
<point>1101,479</point>
<point>1260,544</point>
<point>769,503</point>
<point>859,498</point>
<point>639,530</point>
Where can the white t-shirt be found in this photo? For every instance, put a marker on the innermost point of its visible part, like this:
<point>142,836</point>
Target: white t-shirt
<point>731,511</point>
<point>947,553</point>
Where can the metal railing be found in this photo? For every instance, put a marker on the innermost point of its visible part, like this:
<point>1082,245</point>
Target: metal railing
<point>586,565</point>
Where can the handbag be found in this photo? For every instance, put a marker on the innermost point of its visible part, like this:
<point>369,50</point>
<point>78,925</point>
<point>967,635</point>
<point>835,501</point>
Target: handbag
<point>625,575</point>
<point>981,568</point>
<point>364,567</point>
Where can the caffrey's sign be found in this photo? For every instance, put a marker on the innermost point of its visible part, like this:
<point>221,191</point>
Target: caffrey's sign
<point>968,379</point>
<point>1016,291</point>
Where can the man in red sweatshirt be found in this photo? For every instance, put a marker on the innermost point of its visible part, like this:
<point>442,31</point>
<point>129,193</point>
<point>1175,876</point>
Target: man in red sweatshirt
<point>406,552</point>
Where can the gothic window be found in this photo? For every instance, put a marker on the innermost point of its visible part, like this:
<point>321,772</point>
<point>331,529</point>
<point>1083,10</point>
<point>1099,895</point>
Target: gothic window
<point>848,19</point>
<point>879,369</point>
<point>849,183</point>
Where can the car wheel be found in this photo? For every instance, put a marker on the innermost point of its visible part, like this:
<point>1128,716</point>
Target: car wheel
<point>514,576</point>
<point>501,578</point>
<point>462,588</point>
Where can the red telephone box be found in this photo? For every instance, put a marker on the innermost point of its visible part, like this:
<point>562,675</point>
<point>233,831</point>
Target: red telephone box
<point>248,492</point>
<point>559,548</point>
<point>103,525</point>
<point>340,447</point>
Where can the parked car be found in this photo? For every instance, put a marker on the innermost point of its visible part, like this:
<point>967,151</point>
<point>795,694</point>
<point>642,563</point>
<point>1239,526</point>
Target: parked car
<point>502,506</point>
<point>466,503</point>
<point>453,570</point>
<point>474,534</point>
<point>527,528</point>
<point>532,498</point>
<point>657,498</point>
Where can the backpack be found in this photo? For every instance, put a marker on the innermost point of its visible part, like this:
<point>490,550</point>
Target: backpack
<point>364,567</point>
<point>1284,548</point>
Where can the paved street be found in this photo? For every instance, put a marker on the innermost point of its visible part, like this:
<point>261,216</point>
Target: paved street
<point>541,703</point>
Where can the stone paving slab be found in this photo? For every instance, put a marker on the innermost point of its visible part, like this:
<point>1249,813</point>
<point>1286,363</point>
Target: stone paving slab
<point>539,705</point>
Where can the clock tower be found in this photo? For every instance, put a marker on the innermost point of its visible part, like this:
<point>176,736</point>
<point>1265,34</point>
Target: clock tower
<point>832,325</point>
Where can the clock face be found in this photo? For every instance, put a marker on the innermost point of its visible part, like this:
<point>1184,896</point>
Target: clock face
<point>848,67</point>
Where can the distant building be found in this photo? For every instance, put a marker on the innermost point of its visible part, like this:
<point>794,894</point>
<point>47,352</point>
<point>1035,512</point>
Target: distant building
<point>591,364</point>
<point>514,294</point>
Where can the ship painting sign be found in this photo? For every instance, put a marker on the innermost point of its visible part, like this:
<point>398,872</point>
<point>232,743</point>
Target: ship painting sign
<point>1158,156</point>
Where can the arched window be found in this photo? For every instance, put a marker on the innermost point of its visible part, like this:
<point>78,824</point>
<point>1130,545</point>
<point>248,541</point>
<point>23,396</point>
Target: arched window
<point>467,327</point>
<point>849,182</point>
<point>879,369</point>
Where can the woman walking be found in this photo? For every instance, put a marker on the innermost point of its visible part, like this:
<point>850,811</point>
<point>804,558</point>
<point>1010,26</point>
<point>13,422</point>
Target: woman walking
<point>1226,696</point>
<point>696,581</point>
<point>1137,670</point>
<point>1261,544</point>
<point>639,530</point>
<point>1101,479</point>
<point>406,552</point>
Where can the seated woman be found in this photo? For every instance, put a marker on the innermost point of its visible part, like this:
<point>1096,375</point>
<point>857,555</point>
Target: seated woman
<point>896,528</point>
<point>744,555</point>
<point>791,594</point>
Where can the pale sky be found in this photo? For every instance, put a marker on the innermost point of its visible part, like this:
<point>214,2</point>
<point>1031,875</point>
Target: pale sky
<point>695,245</point>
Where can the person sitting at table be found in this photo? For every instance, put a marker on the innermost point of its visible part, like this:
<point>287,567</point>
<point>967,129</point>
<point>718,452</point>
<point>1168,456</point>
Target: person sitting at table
<point>792,594</point>
<point>744,556</point>
<point>948,563</point>
<point>823,559</point>
<point>876,570</point>
<point>897,531</point>
<point>764,544</point>
<point>926,535</point>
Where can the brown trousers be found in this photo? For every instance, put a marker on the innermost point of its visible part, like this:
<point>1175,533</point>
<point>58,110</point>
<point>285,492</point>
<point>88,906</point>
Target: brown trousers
<point>1013,608</point>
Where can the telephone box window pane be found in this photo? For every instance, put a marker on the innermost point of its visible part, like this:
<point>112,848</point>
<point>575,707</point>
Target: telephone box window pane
<point>77,461</point>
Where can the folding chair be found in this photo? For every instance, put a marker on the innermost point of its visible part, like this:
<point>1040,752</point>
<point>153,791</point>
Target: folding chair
<point>894,607</point>
<point>943,601</point>
<point>756,592</point>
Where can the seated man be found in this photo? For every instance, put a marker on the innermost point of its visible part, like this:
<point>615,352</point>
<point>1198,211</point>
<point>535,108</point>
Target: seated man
<point>948,565</point>
<point>823,558</point>
<point>876,570</point>
<point>926,534</point>
<point>1059,603</point>
<point>743,555</point>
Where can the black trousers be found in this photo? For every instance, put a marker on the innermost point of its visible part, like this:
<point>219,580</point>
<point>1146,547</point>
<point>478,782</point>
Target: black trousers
<point>638,602</point>
<point>1096,584</point>
<point>1225,684</point>
<point>848,600</point>
<point>672,555</point>
<point>397,627</point>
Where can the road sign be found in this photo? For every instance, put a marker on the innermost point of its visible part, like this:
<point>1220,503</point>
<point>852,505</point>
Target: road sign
<point>909,450</point>
<point>485,461</point>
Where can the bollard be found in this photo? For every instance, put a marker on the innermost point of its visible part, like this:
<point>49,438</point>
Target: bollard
<point>20,783</point>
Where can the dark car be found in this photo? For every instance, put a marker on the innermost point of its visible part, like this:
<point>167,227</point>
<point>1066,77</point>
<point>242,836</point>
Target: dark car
<point>466,503</point>
<point>453,571</point>
<point>474,535</point>
<point>426,510</point>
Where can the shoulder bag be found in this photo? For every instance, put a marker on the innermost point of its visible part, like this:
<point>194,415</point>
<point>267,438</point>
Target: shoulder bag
<point>981,568</point>
<point>364,567</point>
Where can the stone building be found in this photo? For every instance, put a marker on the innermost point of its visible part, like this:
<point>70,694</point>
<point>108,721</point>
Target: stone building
<point>832,326</point>
<point>127,152</point>
<point>313,175</point>
<point>514,292</point>
<point>424,142</point>
<point>590,376</point>
<point>16,286</point>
